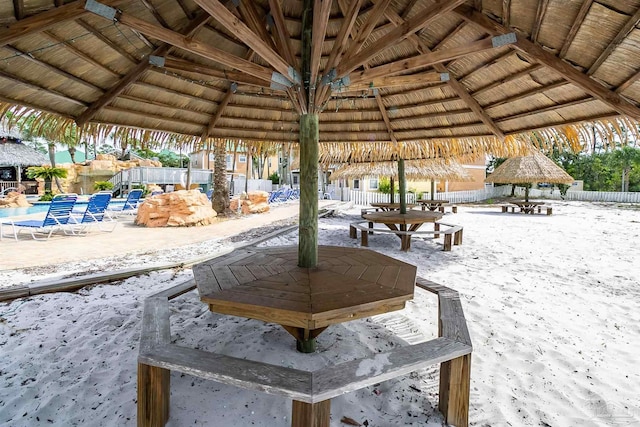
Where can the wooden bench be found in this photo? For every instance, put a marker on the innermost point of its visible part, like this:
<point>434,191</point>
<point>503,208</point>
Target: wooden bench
<point>451,234</point>
<point>538,209</point>
<point>311,391</point>
<point>454,209</point>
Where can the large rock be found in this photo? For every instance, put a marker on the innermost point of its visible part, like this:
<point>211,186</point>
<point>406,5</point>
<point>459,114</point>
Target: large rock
<point>14,200</point>
<point>176,209</point>
<point>252,202</point>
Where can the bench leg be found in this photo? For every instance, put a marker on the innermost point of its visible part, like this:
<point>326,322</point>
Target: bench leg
<point>549,210</point>
<point>455,378</point>
<point>441,209</point>
<point>311,414</point>
<point>457,237</point>
<point>353,232</point>
<point>370,227</point>
<point>447,242</point>
<point>153,396</point>
<point>436,227</point>
<point>504,209</point>
<point>364,241</point>
<point>454,209</point>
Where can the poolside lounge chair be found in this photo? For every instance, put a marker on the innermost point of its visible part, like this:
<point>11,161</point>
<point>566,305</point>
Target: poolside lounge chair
<point>129,207</point>
<point>95,213</point>
<point>56,219</point>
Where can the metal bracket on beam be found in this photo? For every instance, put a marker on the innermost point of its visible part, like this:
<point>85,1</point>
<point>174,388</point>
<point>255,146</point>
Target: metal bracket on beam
<point>295,76</point>
<point>278,81</point>
<point>444,77</point>
<point>504,40</point>
<point>341,83</point>
<point>100,9</point>
<point>157,61</point>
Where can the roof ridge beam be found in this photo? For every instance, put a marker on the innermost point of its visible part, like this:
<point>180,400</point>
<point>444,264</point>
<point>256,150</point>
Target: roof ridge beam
<point>569,73</point>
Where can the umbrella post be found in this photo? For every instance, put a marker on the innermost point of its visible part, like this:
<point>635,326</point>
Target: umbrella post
<point>526,192</point>
<point>433,189</point>
<point>392,195</point>
<point>402,185</point>
<point>308,228</point>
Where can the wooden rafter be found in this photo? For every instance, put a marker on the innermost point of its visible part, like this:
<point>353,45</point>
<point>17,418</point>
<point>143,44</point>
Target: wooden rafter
<point>214,120</point>
<point>571,74</point>
<point>135,73</point>
<point>420,61</point>
<point>624,31</point>
<point>540,12</point>
<point>506,13</point>
<point>450,36</point>
<point>509,78</point>
<point>155,13</point>
<point>244,33</point>
<point>282,37</point>
<point>455,85</point>
<point>96,33</point>
<point>396,35</point>
<point>408,8</point>
<point>321,11</point>
<point>577,23</point>
<point>385,117</point>
<point>45,20</point>
<point>41,89</point>
<point>526,94</point>
<point>367,28</point>
<point>631,80</point>
<point>178,64</point>
<point>18,9</point>
<point>256,21</point>
<point>395,81</point>
<point>551,108</point>
<point>339,45</point>
<point>185,9</point>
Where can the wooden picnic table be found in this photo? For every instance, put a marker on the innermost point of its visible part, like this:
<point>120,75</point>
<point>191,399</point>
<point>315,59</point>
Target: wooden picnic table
<point>431,204</point>
<point>527,207</point>
<point>405,223</point>
<point>267,284</point>
<point>391,206</point>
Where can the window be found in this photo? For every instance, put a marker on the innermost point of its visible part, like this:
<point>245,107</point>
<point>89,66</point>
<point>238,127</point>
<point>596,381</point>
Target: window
<point>242,158</point>
<point>373,184</point>
<point>295,180</point>
<point>356,184</point>
<point>229,161</point>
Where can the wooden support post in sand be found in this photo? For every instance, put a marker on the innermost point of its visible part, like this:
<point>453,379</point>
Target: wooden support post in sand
<point>153,396</point>
<point>455,377</point>
<point>311,414</point>
<point>308,237</point>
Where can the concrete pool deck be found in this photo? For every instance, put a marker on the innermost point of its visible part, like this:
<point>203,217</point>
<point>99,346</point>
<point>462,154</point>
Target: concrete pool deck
<point>128,237</point>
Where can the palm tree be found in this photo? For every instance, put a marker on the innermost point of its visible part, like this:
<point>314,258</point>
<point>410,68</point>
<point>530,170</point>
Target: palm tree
<point>626,158</point>
<point>220,198</point>
<point>48,173</point>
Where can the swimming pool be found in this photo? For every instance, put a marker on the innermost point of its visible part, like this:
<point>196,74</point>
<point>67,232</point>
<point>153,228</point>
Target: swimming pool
<point>40,207</point>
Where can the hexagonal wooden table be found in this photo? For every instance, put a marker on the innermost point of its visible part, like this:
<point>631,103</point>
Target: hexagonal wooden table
<point>267,284</point>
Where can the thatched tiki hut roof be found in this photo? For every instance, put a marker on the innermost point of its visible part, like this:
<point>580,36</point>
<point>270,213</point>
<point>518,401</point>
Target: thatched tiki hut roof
<point>15,153</point>
<point>448,78</point>
<point>433,169</point>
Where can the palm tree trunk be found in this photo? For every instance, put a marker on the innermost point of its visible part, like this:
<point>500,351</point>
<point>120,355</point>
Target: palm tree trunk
<point>52,158</point>
<point>220,199</point>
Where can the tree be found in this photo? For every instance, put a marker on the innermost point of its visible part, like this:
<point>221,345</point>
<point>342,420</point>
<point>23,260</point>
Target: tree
<point>625,159</point>
<point>220,198</point>
<point>48,173</point>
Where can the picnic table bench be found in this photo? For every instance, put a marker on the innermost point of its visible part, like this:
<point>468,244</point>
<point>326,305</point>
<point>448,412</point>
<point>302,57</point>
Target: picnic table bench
<point>452,234</point>
<point>526,207</point>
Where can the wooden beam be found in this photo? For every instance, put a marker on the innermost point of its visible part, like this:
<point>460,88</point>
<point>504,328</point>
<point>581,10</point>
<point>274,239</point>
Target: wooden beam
<point>283,39</point>
<point>256,21</point>
<point>367,28</point>
<point>577,23</point>
<point>321,12</point>
<point>350,13</point>
<point>455,85</point>
<point>96,33</point>
<point>506,13</point>
<point>134,74</point>
<point>230,76</point>
<point>385,117</point>
<point>571,74</point>
<point>155,13</point>
<point>405,65</point>
<point>18,9</point>
<point>446,38</point>
<point>526,94</point>
<point>45,20</point>
<point>40,89</point>
<point>509,78</point>
<point>631,80</point>
<point>540,12</point>
<point>197,47</point>
<point>214,120</point>
<point>240,30</point>
<point>622,34</point>
<point>396,35</point>
<point>551,108</point>
<point>394,81</point>
<point>408,8</point>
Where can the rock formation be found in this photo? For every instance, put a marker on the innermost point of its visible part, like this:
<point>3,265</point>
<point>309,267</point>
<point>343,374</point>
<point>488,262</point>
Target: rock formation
<point>252,202</point>
<point>176,209</point>
<point>14,200</point>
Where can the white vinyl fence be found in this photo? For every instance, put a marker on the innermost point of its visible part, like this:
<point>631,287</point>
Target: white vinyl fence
<point>361,198</point>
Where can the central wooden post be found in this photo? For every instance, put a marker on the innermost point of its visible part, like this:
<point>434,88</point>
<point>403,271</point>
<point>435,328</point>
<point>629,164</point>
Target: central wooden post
<point>402,186</point>
<point>308,230</point>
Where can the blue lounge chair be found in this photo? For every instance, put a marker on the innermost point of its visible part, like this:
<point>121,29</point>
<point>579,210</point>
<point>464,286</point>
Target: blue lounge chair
<point>130,205</point>
<point>56,219</point>
<point>95,213</point>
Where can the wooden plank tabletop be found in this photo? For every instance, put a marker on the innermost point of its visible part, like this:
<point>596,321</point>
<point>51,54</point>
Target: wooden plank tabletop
<point>411,217</point>
<point>267,284</point>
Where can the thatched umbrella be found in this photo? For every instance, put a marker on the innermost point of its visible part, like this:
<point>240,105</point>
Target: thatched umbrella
<point>529,169</point>
<point>432,169</point>
<point>15,153</point>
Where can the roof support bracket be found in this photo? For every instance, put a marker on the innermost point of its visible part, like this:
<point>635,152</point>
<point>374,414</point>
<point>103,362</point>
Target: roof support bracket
<point>101,9</point>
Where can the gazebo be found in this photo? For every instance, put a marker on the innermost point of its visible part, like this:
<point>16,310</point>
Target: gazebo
<point>408,78</point>
<point>529,169</point>
<point>14,157</point>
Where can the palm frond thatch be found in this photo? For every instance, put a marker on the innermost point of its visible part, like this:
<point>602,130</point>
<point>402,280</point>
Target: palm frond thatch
<point>432,169</point>
<point>18,154</point>
<point>529,169</point>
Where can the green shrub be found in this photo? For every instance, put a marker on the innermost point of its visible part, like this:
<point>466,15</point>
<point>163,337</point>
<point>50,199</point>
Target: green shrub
<point>102,186</point>
<point>46,197</point>
<point>275,178</point>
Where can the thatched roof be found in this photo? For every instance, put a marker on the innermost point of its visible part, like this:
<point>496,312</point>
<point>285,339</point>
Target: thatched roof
<point>529,169</point>
<point>13,153</point>
<point>432,169</point>
<point>433,76</point>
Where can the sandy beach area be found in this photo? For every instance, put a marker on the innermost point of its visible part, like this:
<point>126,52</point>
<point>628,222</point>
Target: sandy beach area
<point>552,304</point>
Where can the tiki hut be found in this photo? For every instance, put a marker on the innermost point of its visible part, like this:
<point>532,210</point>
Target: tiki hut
<point>15,157</point>
<point>529,169</point>
<point>408,78</point>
